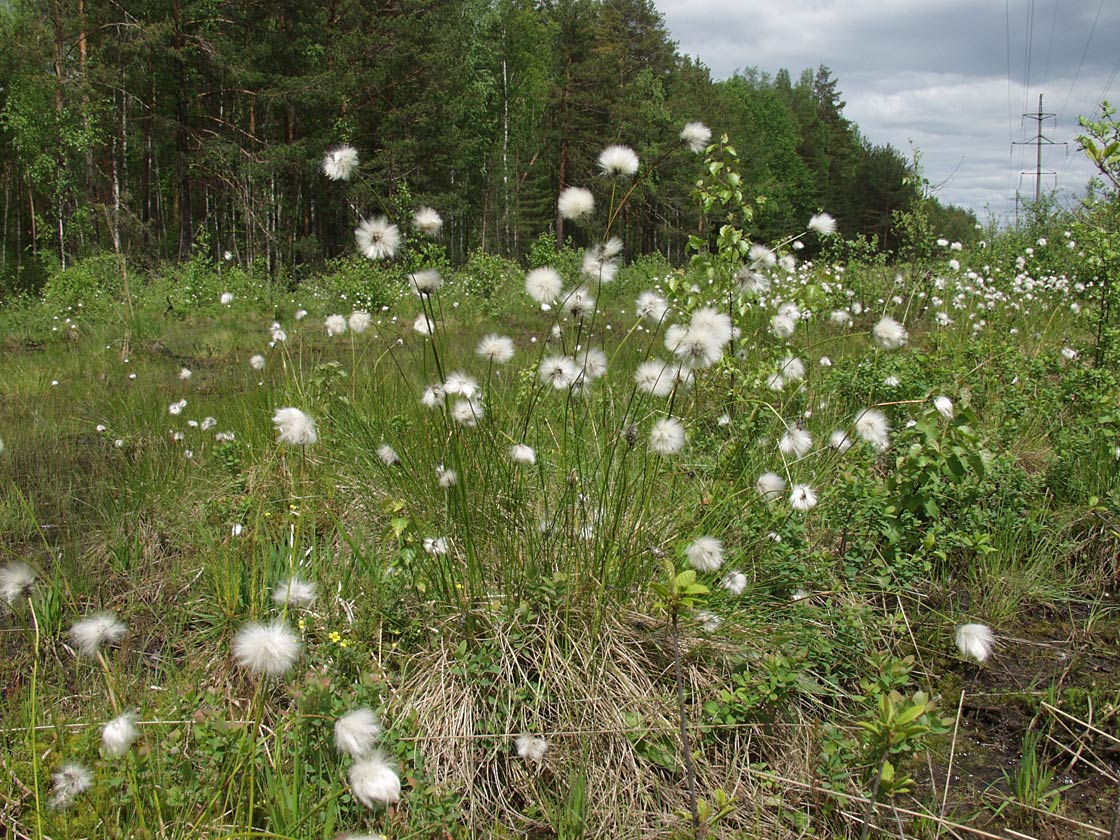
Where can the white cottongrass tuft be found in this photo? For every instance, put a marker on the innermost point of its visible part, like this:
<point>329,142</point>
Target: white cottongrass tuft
<point>775,382</point>
<point>734,582</point>
<point>294,427</point>
<point>579,303</point>
<point>592,364</point>
<point>102,628</point>
<point>16,582</point>
<point>696,136</point>
<point>340,163</point>
<point>436,546</point>
<point>531,748</point>
<point>427,221</point>
<point>295,591</point>
<point>433,396</point>
<point>944,407</point>
<point>522,454</point>
<point>425,282</point>
<point>257,362</point>
<point>70,782</point>
<point>709,622</point>
<point>118,735</point>
<point>795,443</point>
<point>770,486</point>
<point>544,284</point>
<point>823,224</point>
<point>793,369</point>
<point>975,640</point>
<point>185,374</point>
<point>446,477</point>
<point>872,426</point>
<point>558,371</point>
<point>840,441</point>
<point>803,497</point>
<point>388,455</point>
<point>667,436</point>
<point>378,238</point>
<point>270,649</point>
<point>783,326</point>
<point>599,262</point>
<point>226,298</point>
<point>576,203</point>
<point>655,377</point>
<point>176,408</point>
<point>373,781</point>
<point>705,554</point>
<point>495,348</point>
<point>356,732</point>
<point>335,324</point>
<point>760,255</point>
<point>651,307</point>
<point>889,334</point>
<point>359,321</point>
<point>459,384</point>
<point>618,161</point>
<point>467,412</point>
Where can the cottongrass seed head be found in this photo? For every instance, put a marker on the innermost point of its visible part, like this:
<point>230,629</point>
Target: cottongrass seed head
<point>70,782</point>
<point>269,649</point>
<point>519,453</point>
<point>294,591</point>
<point>373,781</point>
<point>356,732</point>
<point>530,748</point>
<point>618,161</point>
<point>872,426</point>
<point>822,224</point>
<point>770,486</point>
<point>889,334</point>
<point>705,554</point>
<point>975,641</point>
<point>802,497</point>
<point>667,436</point>
<point>427,221</point>
<point>294,427</point>
<point>426,282</point>
<point>496,348</point>
<point>696,136</point>
<point>734,582</point>
<point>651,307</point>
<point>118,735</point>
<point>388,455</point>
<point>340,163</point>
<point>359,321</point>
<point>335,324</point>
<point>378,238</point>
<point>576,203</point>
<point>16,582</point>
<point>544,284</point>
<point>944,407</point>
<point>102,628</point>
<point>257,362</point>
<point>795,443</point>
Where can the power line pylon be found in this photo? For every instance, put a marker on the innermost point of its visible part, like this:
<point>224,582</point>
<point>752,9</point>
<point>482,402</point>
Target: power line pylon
<point>1038,140</point>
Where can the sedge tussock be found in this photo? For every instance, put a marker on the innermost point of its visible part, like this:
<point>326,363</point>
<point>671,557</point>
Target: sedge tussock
<point>598,695</point>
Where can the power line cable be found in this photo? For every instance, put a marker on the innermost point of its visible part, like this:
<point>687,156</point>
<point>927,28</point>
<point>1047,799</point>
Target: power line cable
<point>1081,63</point>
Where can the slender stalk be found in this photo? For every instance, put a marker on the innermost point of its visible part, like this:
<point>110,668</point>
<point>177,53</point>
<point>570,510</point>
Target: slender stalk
<point>686,743</point>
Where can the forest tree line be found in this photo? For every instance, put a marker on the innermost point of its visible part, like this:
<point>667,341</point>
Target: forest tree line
<point>155,128</point>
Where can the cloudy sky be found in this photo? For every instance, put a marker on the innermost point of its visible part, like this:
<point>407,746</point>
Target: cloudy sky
<point>949,77</point>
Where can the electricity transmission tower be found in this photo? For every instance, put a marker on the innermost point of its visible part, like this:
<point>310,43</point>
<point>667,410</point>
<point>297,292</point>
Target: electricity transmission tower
<point>1039,140</point>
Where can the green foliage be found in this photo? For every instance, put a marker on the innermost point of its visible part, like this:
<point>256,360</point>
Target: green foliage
<point>86,288</point>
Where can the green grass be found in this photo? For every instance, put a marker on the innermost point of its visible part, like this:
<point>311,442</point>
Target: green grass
<point>540,619</point>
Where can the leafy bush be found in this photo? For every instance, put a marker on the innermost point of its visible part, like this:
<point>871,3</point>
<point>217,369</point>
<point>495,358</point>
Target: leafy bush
<point>90,284</point>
